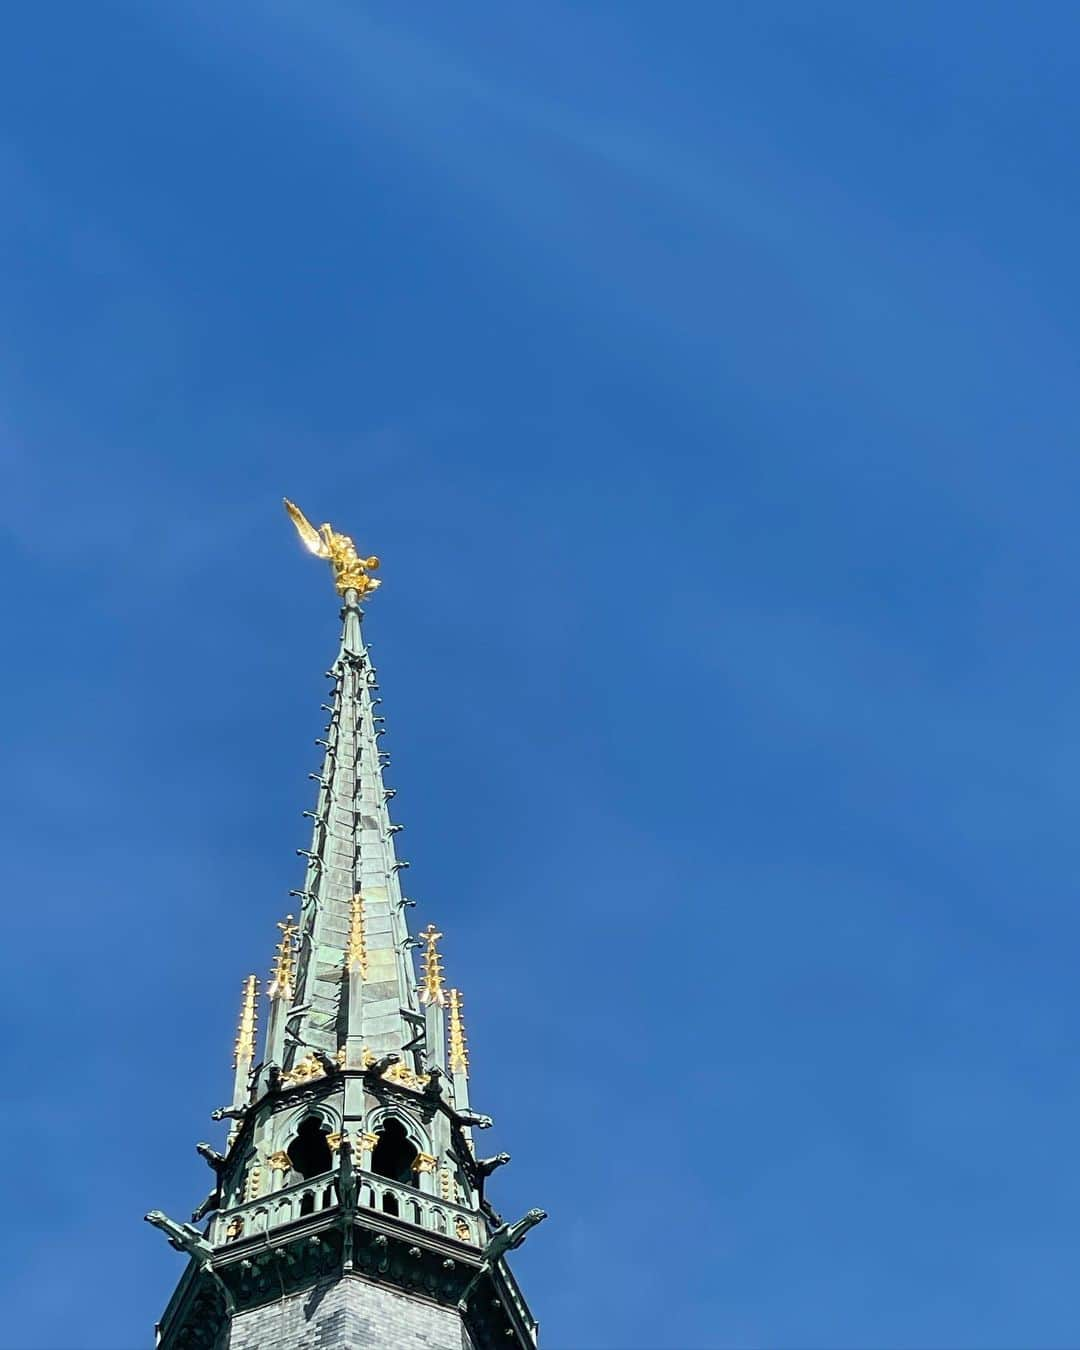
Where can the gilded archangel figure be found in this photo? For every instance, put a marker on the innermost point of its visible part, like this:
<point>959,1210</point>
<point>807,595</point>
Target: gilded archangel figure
<point>350,570</point>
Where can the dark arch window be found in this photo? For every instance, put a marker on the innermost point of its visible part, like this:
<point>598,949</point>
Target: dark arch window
<point>309,1152</point>
<point>393,1156</point>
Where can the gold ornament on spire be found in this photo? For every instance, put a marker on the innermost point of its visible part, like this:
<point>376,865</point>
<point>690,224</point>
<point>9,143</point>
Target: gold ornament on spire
<point>356,953</point>
<point>431,986</point>
<point>459,1052</point>
<point>281,978</point>
<point>245,1034</point>
<point>350,570</point>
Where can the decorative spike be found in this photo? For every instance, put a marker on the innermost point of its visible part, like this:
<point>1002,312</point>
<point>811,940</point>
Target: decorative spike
<point>459,1051</point>
<point>356,955</point>
<point>244,1048</point>
<point>281,980</point>
<point>431,985</point>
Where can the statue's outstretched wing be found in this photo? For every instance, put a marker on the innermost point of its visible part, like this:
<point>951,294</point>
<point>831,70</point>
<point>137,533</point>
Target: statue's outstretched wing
<point>313,540</point>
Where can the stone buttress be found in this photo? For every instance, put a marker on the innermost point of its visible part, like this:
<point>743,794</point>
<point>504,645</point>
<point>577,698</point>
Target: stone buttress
<point>347,1204</point>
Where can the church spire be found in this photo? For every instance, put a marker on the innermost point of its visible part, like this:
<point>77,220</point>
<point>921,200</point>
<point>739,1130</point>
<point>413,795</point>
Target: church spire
<point>352,853</point>
<point>350,1162</point>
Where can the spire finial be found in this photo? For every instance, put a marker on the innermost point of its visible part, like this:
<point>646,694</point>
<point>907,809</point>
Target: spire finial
<point>244,1048</point>
<point>431,986</point>
<point>356,953</point>
<point>281,979</point>
<point>459,1051</point>
<point>350,570</point>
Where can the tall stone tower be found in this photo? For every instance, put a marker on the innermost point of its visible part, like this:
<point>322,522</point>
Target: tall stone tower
<point>348,1204</point>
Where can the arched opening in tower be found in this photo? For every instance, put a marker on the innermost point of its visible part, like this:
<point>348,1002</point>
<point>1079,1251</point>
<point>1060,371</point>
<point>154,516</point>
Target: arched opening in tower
<point>309,1152</point>
<point>393,1156</point>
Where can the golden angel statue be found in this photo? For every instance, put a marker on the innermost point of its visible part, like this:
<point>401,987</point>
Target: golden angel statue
<point>350,570</point>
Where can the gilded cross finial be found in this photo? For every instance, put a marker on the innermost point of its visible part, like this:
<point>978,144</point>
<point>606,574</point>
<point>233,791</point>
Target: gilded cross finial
<point>281,978</point>
<point>245,1034</point>
<point>459,1052</point>
<point>431,985</point>
<point>356,954</point>
<point>350,570</point>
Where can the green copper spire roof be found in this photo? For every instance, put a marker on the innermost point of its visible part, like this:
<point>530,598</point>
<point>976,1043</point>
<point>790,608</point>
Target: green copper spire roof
<point>350,1156</point>
<point>351,855</point>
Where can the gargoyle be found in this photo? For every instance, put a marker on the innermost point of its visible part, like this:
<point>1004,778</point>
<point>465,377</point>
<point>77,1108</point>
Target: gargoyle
<point>213,1158</point>
<point>485,1166</point>
<point>433,1087</point>
<point>494,1218</point>
<point>182,1236</point>
<point>348,1189</point>
<point>230,1113</point>
<point>459,1148</point>
<point>273,1078</point>
<point>380,1066</point>
<point>462,1118</point>
<point>511,1235</point>
<point>477,1171</point>
<point>185,1238</point>
<point>504,1239</point>
<point>328,1065</point>
<point>212,1202</point>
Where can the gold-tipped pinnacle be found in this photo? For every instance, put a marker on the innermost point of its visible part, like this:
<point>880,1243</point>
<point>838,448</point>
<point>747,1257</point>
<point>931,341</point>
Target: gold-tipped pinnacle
<point>281,977</point>
<point>249,1012</point>
<point>431,984</point>
<point>459,1051</point>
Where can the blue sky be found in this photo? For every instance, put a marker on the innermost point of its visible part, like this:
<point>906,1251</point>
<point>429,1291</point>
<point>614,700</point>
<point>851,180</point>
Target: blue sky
<point>705,376</point>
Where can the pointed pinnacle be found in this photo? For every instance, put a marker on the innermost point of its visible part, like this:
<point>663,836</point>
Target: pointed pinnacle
<point>245,1033</point>
<point>282,974</point>
<point>459,1053</point>
<point>431,986</point>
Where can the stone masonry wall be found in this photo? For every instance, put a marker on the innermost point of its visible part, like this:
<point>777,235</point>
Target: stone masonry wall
<point>349,1314</point>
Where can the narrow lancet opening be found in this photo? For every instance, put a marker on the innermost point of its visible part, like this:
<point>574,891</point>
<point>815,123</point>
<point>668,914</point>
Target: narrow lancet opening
<point>393,1156</point>
<point>309,1152</point>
